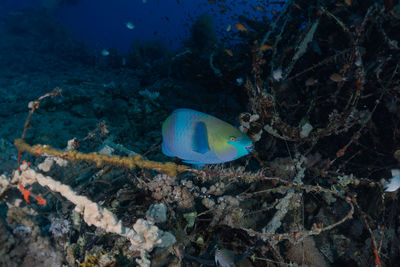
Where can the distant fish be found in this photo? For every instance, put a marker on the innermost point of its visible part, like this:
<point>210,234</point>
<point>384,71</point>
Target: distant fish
<point>222,8</point>
<point>229,28</point>
<point>311,81</point>
<point>104,52</point>
<point>239,81</point>
<point>358,62</point>
<point>394,182</point>
<point>229,52</point>
<point>260,8</point>
<point>336,77</point>
<point>277,74</point>
<point>130,25</point>
<point>199,138</point>
<point>240,27</point>
<point>265,47</point>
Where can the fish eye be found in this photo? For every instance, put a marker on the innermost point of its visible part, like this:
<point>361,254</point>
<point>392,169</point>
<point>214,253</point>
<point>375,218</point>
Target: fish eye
<point>232,138</point>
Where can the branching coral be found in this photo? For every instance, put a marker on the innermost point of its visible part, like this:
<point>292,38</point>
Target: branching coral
<point>144,235</point>
<point>324,114</point>
<point>4,184</point>
<point>128,162</point>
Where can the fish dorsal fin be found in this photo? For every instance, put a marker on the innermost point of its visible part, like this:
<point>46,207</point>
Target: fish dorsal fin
<point>200,138</point>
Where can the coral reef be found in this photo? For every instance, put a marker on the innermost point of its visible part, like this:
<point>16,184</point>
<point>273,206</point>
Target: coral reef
<point>315,86</point>
<point>25,245</point>
<point>144,236</point>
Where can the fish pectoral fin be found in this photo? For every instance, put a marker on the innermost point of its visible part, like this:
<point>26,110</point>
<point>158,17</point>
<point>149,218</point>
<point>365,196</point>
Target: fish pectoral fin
<point>200,138</point>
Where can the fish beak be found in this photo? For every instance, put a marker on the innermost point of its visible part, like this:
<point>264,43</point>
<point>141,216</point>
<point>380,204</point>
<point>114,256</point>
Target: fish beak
<point>249,148</point>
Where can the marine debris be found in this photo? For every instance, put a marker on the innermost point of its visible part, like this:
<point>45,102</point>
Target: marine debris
<point>315,85</point>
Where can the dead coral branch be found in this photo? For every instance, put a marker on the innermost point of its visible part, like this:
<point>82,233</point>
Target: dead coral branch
<point>144,235</point>
<point>128,162</point>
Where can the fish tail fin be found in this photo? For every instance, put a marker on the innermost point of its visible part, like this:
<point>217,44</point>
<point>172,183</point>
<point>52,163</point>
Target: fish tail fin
<point>165,150</point>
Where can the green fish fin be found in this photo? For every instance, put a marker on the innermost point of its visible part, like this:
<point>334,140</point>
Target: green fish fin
<point>200,138</point>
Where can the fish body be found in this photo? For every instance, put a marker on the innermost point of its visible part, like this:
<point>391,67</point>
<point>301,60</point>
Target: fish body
<point>265,47</point>
<point>229,52</point>
<point>239,81</point>
<point>199,138</point>
<point>260,8</point>
<point>240,27</point>
<point>311,81</point>
<point>277,74</point>
<point>104,52</point>
<point>336,77</point>
<point>129,25</point>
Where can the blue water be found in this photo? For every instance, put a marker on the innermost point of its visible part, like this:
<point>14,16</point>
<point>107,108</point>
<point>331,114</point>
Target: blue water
<point>101,23</point>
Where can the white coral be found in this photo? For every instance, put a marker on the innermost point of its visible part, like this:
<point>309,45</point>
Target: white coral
<point>4,184</point>
<point>394,183</point>
<point>144,235</point>
<point>157,213</point>
<point>46,165</point>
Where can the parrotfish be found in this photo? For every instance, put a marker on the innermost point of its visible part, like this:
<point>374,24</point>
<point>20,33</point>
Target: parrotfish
<point>199,138</point>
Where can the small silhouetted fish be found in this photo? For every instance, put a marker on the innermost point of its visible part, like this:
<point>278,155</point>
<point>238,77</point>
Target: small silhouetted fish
<point>229,52</point>
<point>104,52</point>
<point>277,74</point>
<point>129,25</point>
<point>265,47</point>
<point>240,27</point>
<point>336,77</point>
<point>311,81</point>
